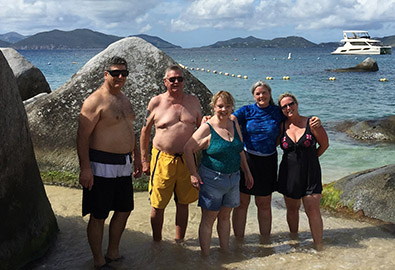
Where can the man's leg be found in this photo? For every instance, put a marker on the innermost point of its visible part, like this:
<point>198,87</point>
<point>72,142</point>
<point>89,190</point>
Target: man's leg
<point>157,223</point>
<point>181,221</point>
<point>95,239</point>
<point>117,226</point>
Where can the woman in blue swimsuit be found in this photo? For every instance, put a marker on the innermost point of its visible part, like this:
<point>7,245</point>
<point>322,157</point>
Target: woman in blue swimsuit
<point>300,172</point>
<point>219,175</point>
<point>260,127</point>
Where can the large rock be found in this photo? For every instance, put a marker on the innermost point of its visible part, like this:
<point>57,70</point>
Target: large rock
<point>372,191</point>
<point>367,65</point>
<point>53,119</point>
<point>30,79</point>
<point>379,130</point>
<point>28,224</point>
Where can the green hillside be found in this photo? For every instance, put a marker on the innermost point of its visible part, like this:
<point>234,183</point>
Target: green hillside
<point>57,39</point>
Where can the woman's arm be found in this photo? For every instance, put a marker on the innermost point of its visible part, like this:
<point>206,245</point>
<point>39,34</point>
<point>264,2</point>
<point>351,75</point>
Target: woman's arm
<point>249,181</point>
<point>199,140</point>
<point>321,137</point>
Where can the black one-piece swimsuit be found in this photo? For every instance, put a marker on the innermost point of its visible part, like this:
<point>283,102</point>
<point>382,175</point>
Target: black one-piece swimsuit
<point>300,170</point>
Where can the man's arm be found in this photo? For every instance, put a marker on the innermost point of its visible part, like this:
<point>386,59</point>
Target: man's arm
<point>137,167</point>
<point>89,116</point>
<point>199,116</point>
<point>144,139</point>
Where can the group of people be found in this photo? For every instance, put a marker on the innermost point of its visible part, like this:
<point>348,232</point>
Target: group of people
<point>228,141</point>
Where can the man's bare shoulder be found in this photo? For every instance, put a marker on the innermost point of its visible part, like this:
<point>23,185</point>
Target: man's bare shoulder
<point>94,99</point>
<point>192,99</point>
<point>156,100</point>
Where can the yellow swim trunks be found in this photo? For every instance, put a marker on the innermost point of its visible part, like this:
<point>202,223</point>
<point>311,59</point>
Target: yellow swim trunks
<point>169,173</point>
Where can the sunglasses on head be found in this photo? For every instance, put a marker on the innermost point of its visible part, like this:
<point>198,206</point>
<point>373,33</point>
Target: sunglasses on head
<point>116,73</point>
<point>286,105</point>
<point>173,79</point>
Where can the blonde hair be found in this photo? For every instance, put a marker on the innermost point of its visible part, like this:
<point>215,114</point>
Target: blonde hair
<point>225,96</point>
<point>286,95</point>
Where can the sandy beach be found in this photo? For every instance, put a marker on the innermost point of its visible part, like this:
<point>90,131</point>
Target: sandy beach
<point>348,244</point>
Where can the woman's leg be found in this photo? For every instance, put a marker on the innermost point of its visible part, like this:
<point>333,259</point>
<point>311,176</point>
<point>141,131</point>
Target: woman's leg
<point>311,205</point>
<point>264,214</point>
<point>205,230</point>
<point>293,206</point>
<point>223,227</point>
<point>239,217</point>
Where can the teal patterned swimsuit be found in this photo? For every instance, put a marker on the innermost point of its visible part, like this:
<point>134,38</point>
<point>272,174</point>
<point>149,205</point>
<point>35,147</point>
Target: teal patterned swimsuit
<point>221,155</point>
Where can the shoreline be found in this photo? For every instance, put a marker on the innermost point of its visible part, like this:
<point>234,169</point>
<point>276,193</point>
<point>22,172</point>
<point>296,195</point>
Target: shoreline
<point>358,239</point>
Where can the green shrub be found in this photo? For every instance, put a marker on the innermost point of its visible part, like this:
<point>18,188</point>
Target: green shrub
<point>331,197</point>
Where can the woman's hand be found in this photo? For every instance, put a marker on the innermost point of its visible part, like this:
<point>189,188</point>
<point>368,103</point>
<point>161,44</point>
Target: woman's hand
<point>205,119</point>
<point>249,180</point>
<point>315,122</point>
<point>196,181</point>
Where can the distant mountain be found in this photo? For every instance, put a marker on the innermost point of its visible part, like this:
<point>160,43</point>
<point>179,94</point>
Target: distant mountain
<point>156,41</point>
<point>390,40</point>
<point>329,45</point>
<point>4,44</point>
<point>12,37</point>
<point>253,42</point>
<point>57,39</point>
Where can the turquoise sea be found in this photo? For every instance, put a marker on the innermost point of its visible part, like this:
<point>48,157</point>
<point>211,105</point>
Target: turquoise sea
<point>351,96</point>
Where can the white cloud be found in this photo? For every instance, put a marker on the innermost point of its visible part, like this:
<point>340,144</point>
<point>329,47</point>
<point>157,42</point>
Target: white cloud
<point>304,14</point>
<point>164,17</point>
<point>145,28</point>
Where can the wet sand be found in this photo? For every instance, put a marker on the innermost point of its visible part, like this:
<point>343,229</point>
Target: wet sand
<point>348,244</point>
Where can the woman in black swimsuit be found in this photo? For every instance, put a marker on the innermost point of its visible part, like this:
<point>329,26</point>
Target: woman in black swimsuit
<point>300,171</point>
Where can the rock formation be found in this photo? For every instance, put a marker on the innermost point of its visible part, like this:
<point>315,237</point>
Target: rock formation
<point>367,65</point>
<point>378,130</point>
<point>28,224</point>
<point>30,79</point>
<point>371,191</point>
<point>53,118</point>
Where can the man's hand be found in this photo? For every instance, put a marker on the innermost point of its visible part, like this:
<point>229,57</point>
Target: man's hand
<point>146,167</point>
<point>86,179</point>
<point>137,168</point>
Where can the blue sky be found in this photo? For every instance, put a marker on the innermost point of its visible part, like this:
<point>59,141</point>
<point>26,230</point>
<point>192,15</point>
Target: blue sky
<point>195,23</point>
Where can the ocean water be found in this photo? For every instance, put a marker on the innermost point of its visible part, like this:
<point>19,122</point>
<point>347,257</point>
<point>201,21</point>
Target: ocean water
<point>351,96</point>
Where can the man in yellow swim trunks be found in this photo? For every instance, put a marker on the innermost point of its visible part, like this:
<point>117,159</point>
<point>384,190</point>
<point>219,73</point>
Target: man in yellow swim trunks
<point>175,115</point>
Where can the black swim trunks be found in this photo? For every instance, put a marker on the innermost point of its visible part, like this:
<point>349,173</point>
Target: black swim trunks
<point>112,188</point>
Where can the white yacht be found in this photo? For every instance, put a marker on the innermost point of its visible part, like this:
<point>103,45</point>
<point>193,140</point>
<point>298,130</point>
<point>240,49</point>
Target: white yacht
<point>359,42</point>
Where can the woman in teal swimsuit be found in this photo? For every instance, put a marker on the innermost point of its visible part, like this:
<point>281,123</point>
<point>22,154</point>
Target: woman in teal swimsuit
<point>299,176</point>
<point>219,175</point>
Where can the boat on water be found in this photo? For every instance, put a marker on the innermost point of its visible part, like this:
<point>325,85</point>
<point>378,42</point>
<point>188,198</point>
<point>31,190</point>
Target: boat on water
<point>359,42</point>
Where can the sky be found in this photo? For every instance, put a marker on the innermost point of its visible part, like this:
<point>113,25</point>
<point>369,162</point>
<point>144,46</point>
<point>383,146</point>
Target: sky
<point>195,23</point>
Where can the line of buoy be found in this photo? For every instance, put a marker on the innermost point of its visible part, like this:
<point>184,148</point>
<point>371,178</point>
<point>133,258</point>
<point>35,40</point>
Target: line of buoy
<point>216,72</point>
<point>246,77</point>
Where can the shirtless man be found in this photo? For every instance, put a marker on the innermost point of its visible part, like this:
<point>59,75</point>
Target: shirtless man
<point>105,144</point>
<point>175,115</point>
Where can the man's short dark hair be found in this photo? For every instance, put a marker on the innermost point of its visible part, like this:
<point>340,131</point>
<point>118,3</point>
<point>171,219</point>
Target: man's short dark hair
<point>115,60</point>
